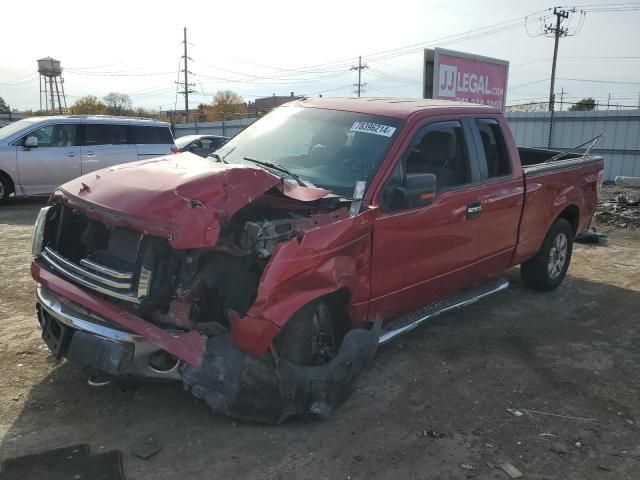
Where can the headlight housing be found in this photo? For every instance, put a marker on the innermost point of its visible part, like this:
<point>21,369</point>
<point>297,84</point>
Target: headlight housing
<point>38,231</point>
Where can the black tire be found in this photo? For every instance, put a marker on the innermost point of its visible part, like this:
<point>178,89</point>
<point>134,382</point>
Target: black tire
<point>546,270</point>
<point>309,337</point>
<point>5,188</point>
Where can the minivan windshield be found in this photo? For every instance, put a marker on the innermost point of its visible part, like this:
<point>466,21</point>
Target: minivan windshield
<point>325,148</point>
<point>15,127</point>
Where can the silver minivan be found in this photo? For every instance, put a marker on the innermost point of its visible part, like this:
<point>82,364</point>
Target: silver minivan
<point>39,153</point>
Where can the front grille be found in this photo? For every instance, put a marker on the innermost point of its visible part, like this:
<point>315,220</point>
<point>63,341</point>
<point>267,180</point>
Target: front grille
<point>106,280</point>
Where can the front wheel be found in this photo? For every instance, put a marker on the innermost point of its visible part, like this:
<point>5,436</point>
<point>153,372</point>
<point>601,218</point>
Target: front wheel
<point>5,189</point>
<point>546,270</point>
<point>309,337</point>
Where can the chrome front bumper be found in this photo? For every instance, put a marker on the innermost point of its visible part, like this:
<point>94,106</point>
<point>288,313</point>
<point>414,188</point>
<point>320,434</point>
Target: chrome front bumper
<point>96,328</point>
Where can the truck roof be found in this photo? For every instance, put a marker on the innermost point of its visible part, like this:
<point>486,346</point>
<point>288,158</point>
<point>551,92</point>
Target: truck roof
<point>400,108</point>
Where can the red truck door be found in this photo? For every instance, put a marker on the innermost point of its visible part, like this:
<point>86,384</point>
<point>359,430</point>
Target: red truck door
<point>501,199</point>
<point>420,254</point>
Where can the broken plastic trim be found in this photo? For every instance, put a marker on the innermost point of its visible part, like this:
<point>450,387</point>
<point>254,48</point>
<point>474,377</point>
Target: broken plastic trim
<point>270,389</point>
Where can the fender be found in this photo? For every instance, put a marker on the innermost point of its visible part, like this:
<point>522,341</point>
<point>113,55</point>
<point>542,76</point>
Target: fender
<point>321,261</point>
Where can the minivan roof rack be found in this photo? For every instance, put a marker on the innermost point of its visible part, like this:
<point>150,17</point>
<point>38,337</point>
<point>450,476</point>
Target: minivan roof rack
<point>88,115</point>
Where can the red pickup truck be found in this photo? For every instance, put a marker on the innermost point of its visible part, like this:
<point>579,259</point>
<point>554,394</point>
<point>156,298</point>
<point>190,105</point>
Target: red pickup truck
<point>265,276</point>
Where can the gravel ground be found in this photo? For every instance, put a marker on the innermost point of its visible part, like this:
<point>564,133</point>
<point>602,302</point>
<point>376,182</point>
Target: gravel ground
<point>434,404</point>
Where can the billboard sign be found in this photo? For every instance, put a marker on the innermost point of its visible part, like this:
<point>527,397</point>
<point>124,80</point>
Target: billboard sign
<point>450,75</point>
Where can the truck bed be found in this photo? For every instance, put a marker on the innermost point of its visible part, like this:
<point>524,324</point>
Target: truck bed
<point>535,160</point>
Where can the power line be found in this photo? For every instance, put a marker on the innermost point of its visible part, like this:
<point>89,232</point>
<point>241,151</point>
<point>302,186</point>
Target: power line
<point>618,82</point>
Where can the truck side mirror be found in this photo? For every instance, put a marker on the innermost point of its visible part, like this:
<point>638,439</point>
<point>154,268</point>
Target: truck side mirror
<point>31,142</point>
<point>419,189</point>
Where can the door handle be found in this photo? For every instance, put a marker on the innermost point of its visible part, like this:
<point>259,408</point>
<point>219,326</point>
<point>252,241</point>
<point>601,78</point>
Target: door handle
<point>474,210</point>
<point>70,154</point>
<point>90,154</point>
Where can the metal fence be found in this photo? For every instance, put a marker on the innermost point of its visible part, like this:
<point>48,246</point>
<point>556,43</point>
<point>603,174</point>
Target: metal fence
<point>224,128</point>
<point>620,143</point>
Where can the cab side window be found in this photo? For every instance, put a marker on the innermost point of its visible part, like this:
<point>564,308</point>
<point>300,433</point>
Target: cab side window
<point>105,134</point>
<point>441,151</point>
<point>495,151</point>
<point>63,135</point>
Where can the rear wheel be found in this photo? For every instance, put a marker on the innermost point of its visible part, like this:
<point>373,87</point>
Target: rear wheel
<point>546,270</point>
<point>309,337</point>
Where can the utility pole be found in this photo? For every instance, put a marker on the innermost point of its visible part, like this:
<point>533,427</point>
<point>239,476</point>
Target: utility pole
<point>186,83</point>
<point>561,97</point>
<point>359,68</point>
<point>558,31</point>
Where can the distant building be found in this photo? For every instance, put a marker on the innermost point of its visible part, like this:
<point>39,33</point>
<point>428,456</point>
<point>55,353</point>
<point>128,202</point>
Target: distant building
<point>264,105</point>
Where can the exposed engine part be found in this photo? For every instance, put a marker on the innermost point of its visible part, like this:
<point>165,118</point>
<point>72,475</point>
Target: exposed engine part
<point>262,237</point>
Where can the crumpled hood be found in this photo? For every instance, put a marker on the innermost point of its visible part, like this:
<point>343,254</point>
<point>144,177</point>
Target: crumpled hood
<point>183,197</point>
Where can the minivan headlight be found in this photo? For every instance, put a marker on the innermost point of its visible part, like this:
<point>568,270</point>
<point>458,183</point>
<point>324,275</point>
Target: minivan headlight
<point>38,231</point>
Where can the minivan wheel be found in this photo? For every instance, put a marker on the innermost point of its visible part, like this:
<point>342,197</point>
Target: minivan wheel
<point>309,337</point>
<point>546,270</point>
<point>5,189</point>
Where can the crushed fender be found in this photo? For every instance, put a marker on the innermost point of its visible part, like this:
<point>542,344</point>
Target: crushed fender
<point>269,389</point>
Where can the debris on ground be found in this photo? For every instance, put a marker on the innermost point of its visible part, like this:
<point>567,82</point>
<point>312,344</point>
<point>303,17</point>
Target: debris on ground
<point>619,207</point>
<point>569,417</point>
<point>510,470</point>
<point>74,462</point>
<point>590,236</point>
<point>515,412</point>
<point>466,466</point>
<point>434,433</point>
<point>559,448</point>
<point>145,447</point>
<point>628,181</point>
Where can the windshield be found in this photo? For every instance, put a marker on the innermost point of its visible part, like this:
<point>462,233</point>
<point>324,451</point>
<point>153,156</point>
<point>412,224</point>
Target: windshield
<point>15,127</point>
<point>327,148</point>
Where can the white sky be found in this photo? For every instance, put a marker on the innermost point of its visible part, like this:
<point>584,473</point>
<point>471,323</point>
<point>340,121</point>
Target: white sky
<point>102,45</point>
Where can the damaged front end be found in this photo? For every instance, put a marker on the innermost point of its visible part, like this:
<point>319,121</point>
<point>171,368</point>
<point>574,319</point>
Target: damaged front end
<point>194,280</point>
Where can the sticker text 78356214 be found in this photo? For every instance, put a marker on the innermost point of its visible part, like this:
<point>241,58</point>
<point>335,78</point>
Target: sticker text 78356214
<point>375,128</point>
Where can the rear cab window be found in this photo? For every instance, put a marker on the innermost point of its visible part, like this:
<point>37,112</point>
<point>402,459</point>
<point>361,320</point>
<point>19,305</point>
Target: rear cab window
<point>496,162</point>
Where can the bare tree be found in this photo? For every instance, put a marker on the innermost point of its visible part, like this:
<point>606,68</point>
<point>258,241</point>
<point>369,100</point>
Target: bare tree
<point>117,103</point>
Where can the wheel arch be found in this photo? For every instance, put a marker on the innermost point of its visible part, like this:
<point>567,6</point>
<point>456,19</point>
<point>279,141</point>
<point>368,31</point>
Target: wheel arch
<point>571,214</point>
<point>9,178</point>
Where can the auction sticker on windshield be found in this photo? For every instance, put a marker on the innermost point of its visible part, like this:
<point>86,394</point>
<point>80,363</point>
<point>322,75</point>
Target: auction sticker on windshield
<point>375,128</point>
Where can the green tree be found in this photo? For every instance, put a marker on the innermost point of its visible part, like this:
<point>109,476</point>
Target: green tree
<point>583,105</point>
<point>4,108</point>
<point>227,105</point>
<point>88,104</point>
<point>118,103</point>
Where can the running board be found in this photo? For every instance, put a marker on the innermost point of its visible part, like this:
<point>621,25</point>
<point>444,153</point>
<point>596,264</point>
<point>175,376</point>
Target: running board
<point>409,321</point>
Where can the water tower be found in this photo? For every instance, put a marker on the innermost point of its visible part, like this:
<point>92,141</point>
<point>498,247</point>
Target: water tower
<point>51,84</point>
